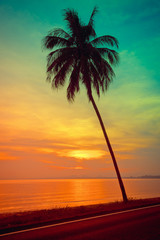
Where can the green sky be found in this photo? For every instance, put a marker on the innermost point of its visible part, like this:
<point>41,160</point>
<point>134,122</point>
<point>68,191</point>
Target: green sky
<point>42,135</point>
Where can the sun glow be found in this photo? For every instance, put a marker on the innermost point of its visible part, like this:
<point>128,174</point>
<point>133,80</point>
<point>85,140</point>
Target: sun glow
<point>86,154</point>
<point>78,168</point>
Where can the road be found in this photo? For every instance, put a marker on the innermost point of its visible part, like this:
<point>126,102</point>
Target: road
<point>139,224</point>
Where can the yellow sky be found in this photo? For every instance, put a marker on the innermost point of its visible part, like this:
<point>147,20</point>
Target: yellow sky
<point>44,136</point>
<point>40,129</point>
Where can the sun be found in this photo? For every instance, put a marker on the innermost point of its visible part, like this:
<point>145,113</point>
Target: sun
<point>86,154</point>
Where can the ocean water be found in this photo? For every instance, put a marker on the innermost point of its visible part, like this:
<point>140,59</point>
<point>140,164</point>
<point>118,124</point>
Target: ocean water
<point>26,195</point>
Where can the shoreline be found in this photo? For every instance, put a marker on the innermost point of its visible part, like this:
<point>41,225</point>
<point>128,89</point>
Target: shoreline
<point>22,220</point>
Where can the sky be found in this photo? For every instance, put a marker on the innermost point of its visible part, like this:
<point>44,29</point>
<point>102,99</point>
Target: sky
<point>42,135</point>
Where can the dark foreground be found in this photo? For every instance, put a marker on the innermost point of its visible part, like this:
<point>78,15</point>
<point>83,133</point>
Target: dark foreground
<point>138,224</point>
<point>23,220</point>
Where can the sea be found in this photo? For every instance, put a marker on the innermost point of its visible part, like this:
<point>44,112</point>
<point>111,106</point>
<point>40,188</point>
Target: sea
<point>38,194</point>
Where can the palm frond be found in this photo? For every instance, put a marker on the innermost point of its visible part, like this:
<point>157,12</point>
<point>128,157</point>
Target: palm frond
<point>73,22</point>
<point>91,22</point>
<point>56,64</point>
<point>97,83</point>
<point>103,68</point>
<point>90,26</point>
<point>59,32</point>
<point>86,76</point>
<point>53,55</point>
<point>50,42</point>
<point>96,58</point>
<point>74,81</point>
<point>59,79</point>
<point>108,74</point>
<point>107,39</point>
<point>110,54</point>
<point>61,55</point>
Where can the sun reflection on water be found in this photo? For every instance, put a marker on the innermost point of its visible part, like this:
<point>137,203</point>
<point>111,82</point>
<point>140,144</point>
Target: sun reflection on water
<point>24,195</point>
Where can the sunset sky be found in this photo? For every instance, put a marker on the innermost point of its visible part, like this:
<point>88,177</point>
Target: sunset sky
<point>44,136</point>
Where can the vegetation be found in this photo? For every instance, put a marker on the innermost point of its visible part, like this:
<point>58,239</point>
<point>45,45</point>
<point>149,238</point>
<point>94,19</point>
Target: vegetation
<point>21,220</point>
<point>78,55</point>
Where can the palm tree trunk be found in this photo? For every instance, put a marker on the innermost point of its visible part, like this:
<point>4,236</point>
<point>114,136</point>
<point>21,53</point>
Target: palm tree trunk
<point>125,199</point>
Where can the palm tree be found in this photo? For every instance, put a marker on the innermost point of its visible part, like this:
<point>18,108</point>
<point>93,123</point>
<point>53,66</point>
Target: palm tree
<point>77,56</point>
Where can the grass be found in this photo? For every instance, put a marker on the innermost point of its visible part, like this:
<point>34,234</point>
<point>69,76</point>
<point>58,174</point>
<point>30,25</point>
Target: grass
<point>21,220</point>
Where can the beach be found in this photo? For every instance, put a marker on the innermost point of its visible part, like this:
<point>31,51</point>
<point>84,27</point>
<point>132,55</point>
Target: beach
<point>22,220</point>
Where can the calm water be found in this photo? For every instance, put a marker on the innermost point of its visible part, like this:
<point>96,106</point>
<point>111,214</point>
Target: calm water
<point>23,195</point>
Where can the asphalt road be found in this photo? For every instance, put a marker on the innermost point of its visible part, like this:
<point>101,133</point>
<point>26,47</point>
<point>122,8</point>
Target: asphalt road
<point>139,224</point>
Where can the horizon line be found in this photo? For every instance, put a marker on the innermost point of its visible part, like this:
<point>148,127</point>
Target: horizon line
<point>130,177</point>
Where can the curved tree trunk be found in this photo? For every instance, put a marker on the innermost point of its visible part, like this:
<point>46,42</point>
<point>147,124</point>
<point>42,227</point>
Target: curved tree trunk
<point>125,199</point>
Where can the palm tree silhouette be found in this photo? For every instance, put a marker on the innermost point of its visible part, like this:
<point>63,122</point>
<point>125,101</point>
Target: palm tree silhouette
<point>78,58</point>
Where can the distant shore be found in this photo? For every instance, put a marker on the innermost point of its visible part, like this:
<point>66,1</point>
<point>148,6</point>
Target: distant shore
<point>129,177</point>
<point>21,220</point>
